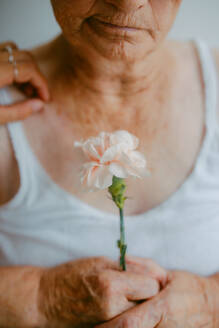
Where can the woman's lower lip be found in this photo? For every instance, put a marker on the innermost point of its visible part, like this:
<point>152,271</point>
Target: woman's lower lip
<point>110,28</point>
<point>122,28</point>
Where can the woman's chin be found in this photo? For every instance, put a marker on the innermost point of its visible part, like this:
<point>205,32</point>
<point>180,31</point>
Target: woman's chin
<point>117,44</point>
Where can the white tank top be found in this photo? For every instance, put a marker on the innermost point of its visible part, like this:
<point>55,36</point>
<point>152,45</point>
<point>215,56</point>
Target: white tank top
<point>45,225</point>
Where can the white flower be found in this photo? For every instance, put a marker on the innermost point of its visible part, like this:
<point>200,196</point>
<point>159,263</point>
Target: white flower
<point>110,154</point>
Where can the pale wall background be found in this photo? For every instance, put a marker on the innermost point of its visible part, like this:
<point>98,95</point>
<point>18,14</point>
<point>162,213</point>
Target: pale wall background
<point>30,22</point>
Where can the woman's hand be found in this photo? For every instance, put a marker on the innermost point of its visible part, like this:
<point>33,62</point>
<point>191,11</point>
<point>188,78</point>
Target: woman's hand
<point>28,78</point>
<point>86,292</point>
<point>186,302</point>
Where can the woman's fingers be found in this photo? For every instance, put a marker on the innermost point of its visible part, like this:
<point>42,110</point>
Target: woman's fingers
<point>19,55</point>
<point>20,110</point>
<point>145,315</point>
<point>121,290</point>
<point>138,287</point>
<point>19,68</point>
<point>147,266</point>
<point>132,286</point>
<point>8,44</point>
<point>28,72</point>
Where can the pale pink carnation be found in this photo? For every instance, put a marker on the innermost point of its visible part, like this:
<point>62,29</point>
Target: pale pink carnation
<point>110,154</point>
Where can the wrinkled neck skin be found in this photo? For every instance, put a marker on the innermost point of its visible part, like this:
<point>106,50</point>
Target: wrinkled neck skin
<point>103,90</point>
<point>118,79</point>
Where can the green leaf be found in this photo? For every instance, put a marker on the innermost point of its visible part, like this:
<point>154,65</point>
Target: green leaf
<point>117,190</point>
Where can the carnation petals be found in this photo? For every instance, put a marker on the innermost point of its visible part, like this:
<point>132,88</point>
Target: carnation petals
<point>122,136</point>
<point>102,178</point>
<point>118,170</point>
<point>111,154</point>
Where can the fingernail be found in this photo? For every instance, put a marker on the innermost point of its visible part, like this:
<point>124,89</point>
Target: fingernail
<point>37,106</point>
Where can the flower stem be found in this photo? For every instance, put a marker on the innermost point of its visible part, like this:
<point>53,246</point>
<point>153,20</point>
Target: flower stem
<point>122,245</point>
<point>117,190</point>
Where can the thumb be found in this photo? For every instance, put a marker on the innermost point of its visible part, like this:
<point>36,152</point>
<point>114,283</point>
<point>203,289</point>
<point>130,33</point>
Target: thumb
<point>149,314</point>
<point>19,111</point>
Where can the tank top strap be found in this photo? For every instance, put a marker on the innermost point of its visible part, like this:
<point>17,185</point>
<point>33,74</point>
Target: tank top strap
<point>20,147</point>
<point>210,79</point>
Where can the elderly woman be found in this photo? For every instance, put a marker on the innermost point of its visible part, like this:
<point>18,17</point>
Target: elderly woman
<point>110,69</point>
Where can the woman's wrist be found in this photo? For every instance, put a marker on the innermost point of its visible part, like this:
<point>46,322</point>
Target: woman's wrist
<point>18,297</point>
<point>31,317</point>
<point>35,317</point>
<point>212,292</point>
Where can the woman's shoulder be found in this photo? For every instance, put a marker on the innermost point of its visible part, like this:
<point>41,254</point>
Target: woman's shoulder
<point>44,55</point>
<point>186,48</point>
<point>6,153</point>
<point>180,47</point>
<point>183,55</point>
<point>186,53</point>
<point>9,175</point>
<point>9,172</point>
<point>41,50</point>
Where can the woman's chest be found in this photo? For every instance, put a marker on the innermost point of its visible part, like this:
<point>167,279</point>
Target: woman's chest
<point>171,156</point>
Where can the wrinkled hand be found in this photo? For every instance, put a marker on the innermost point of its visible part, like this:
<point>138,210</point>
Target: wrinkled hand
<point>186,302</point>
<point>86,292</point>
<point>29,80</point>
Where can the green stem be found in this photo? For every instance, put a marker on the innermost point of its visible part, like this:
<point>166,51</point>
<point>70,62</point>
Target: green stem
<point>117,190</point>
<point>122,244</point>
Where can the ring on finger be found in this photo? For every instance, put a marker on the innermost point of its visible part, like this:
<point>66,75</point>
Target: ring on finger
<point>16,71</point>
<point>10,54</point>
<point>12,60</point>
<point>9,49</point>
<point>5,46</point>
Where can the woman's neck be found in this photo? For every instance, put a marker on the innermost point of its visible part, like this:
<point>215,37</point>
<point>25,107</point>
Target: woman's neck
<point>119,80</point>
<point>95,93</point>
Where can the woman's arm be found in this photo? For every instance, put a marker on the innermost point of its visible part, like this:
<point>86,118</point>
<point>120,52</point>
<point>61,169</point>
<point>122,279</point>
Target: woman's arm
<point>9,173</point>
<point>18,297</point>
<point>18,285</point>
<point>215,295</point>
<point>80,293</point>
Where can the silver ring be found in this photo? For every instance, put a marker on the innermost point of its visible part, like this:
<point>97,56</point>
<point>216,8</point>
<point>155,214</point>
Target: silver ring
<point>10,54</point>
<point>12,60</point>
<point>16,71</point>
<point>9,49</point>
